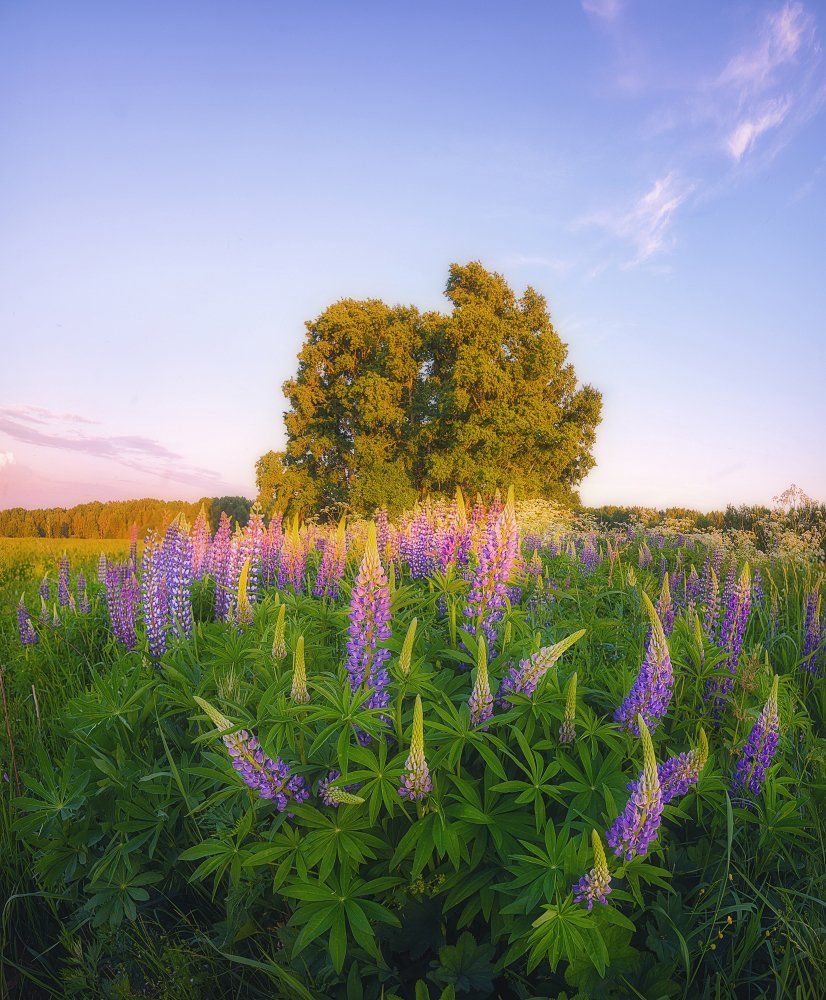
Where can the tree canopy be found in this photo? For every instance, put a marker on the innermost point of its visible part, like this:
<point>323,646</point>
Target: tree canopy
<point>390,403</point>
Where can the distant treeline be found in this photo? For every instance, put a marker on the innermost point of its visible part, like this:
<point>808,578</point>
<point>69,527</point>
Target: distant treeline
<point>114,518</point>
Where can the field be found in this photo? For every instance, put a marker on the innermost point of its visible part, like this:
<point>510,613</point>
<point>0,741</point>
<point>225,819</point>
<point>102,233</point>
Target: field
<point>464,755</point>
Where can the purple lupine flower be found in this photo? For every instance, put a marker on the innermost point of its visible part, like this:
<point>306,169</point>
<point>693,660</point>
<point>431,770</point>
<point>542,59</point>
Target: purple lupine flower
<point>638,824</point>
<point>25,629</point>
<point>221,567</point>
<point>63,594</point>
<point>43,589</point>
<point>679,773</point>
<point>333,562</point>
<point>333,795</point>
<point>645,556</point>
<point>480,701</point>
<point>650,694</point>
<point>102,563</point>
<point>154,597</point>
<point>524,678</point>
<point>712,601</point>
<point>416,781</point>
<point>418,545</point>
<point>812,627</point>
<point>760,748</point>
<point>732,633</point>
<point>488,592</point>
<point>370,626</point>
<point>382,532</point>
<point>176,554</point>
<point>272,550</point>
<point>133,547</point>
<point>665,606</point>
<point>589,556</point>
<point>83,605</point>
<point>757,588</point>
<point>252,552</point>
<point>596,885</point>
<point>121,603</point>
<point>200,545</point>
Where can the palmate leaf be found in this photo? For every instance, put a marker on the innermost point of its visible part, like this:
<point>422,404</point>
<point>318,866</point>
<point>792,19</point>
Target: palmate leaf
<point>566,931</point>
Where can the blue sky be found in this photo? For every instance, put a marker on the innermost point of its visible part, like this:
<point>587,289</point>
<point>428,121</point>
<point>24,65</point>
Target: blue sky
<point>184,184</point>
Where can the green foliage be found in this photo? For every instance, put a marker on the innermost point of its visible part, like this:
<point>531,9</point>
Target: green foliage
<point>389,403</point>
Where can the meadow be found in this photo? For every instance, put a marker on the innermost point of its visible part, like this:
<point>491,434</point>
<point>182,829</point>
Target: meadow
<point>477,752</point>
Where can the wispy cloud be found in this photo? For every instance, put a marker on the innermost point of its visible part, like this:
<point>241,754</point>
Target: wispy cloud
<point>743,137</point>
<point>646,223</point>
<point>603,10</point>
<point>780,38</point>
<point>47,429</point>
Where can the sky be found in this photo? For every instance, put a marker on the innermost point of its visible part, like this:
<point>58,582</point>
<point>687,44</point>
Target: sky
<point>183,185</point>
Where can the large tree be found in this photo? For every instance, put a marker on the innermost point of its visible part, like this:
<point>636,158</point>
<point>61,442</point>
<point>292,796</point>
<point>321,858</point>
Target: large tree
<point>390,403</point>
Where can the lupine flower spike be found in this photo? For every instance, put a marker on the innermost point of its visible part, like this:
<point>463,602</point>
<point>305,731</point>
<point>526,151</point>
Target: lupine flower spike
<point>566,730</point>
<point>332,795</point>
<point>270,778</point>
<point>279,645</point>
<point>760,748</point>
<point>243,605</point>
<point>524,678</point>
<point>595,886</point>
<point>678,774</point>
<point>416,781</point>
<point>481,700</point>
<point>298,692</point>
<point>28,636</point>
<point>370,626</point>
<point>406,655</point>
<point>637,826</point>
<point>650,693</point>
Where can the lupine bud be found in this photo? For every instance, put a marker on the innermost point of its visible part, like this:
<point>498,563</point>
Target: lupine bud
<point>637,826</point>
<point>25,629</point>
<point>596,885</point>
<point>650,694</point>
<point>279,645</point>
<point>760,748</point>
<point>632,577</point>
<point>298,692</point>
<point>523,679</point>
<point>566,730</point>
<point>481,700</point>
<point>416,781</point>
<point>243,607</point>
<point>406,655</point>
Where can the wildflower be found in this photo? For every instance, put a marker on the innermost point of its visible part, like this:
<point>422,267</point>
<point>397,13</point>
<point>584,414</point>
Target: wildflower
<point>369,626</point>
<point>566,730</point>
<point>293,558</point>
<point>63,581</point>
<point>637,826</point>
<point>524,678</point>
<point>176,554</point>
<point>679,773</point>
<point>272,779</point>
<point>488,592</point>
<point>279,645</point>
<point>333,561</point>
<point>416,781</point>
<point>481,700</point>
<point>243,606</point>
<point>122,602</point>
<point>155,605</point>
<point>760,748</point>
<point>43,589</point>
<point>332,795</point>
<point>220,558</point>
<point>712,601</point>
<point>83,605</point>
<point>665,607</point>
<point>298,692</point>
<point>812,633</point>
<point>650,693</point>
<point>252,553</point>
<point>28,636</point>
<point>200,545</point>
<point>732,633</point>
<point>102,562</point>
<point>272,549</point>
<point>406,655</point>
<point>596,885</point>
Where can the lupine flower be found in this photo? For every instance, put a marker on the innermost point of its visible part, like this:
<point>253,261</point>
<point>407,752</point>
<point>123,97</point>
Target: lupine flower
<point>221,565</point>
<point>567,731</point>
<point>43,589</point>
<point>272,549</point>
<point>102,568</point>
<point>154,601</point>
<point>678,774</point>
<point>45,615</point>
<point>28,636</point>
<point>406,655</point>
<point>177,562</point>
<point>279,645</point>
<point>812,632</point>
<point>481,700</point>
<point>333,562</point>
<point>382,532</point>
<point>525,678</point>
<point>332,795</point>
<point>200,545</point>
<point>369,626</point>
<point>665,607</point>
<point>83,605</point>
<point>596,885</point>
<point>757,587</point>
<point>760,748</point>
<point>645,556</point>
<point>650,694</point>
<point>298,692</point>
<point>631,577</point>
<point>712,601</point>
<point>63,581</point>
<point>133,547</point>
<point>252,553</point>
<point>271,779</point>
<point>243,607</point>
<point>122,602</point>
<point>416,781</point>
<point>638,824</point>
<point>488,592</point>
<point>732,632</point>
